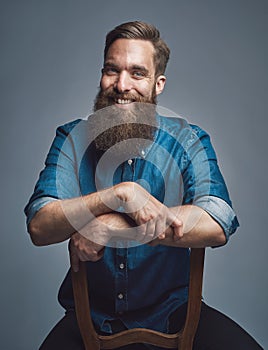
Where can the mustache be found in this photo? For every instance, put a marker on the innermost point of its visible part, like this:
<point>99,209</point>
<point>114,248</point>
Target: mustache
<point>108,97</point>
<point>113,95</point>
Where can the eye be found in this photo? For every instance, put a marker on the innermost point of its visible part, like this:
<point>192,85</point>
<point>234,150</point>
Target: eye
<point>138,74</point>
<point>109,70</point>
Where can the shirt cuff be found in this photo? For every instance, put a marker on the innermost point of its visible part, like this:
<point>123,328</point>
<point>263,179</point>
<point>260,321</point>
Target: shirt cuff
<point>36,205</point>
<point>220,211</point>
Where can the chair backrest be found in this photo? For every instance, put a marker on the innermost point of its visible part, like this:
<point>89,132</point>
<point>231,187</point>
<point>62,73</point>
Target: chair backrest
<point>182,340</point>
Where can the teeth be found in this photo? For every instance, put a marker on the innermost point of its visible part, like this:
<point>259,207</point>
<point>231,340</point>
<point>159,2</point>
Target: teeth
<point>122,102</point>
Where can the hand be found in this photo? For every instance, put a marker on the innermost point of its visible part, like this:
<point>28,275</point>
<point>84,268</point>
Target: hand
<point>152,216</point>
<point>89,243</point>
<point>169,240</point>
<point>83,249</point>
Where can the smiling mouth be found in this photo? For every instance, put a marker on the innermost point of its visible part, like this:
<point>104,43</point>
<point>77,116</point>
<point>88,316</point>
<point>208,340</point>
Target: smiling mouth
<point>121,101</point>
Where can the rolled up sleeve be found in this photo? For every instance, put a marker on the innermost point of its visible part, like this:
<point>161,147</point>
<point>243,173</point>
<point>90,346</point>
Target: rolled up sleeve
<point>220,211</point>
<point>204,183</point>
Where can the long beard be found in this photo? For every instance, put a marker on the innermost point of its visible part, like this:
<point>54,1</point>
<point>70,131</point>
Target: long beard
<point>136,123</point>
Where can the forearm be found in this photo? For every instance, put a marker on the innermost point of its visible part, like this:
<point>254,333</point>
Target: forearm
<point>58,220</point>
<point>199,229</point>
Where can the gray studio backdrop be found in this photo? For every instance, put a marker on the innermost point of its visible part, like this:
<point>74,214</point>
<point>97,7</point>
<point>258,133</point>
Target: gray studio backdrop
<point>51,55</point>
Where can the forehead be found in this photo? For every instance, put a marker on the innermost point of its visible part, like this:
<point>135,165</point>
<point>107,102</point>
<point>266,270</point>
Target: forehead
<point>127,52</point>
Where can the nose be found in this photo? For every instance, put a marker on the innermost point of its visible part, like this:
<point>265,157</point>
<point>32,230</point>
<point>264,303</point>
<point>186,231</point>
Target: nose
<point>123,82</point>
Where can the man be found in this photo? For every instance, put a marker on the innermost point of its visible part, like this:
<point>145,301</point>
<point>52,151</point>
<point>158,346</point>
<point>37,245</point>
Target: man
<point>132,190</point>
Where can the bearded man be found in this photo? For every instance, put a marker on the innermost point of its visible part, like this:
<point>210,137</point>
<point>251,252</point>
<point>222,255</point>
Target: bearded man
<point>132,191</point>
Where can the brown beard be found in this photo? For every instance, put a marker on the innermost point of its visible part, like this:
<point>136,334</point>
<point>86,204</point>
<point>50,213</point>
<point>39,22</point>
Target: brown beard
<point>121,124</point>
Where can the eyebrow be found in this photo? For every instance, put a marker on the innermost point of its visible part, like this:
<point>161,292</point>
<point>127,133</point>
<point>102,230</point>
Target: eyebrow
<point>110,64</point>
<point>133,67</point>
<point>140,68</point>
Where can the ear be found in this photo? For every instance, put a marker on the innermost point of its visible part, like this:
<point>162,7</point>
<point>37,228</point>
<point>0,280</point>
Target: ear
<point>160,84</point>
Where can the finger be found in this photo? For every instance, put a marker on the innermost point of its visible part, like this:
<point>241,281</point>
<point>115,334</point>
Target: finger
<point>160,229</point>
<point>140,232</point>
<point>97,255</point>
<point>177,225</point>
<point>101,253</point>
<point>150,233</point>
<point>175,218</point>
<point>88,255</point>
<point>175,221</point>
<point>178,231</point>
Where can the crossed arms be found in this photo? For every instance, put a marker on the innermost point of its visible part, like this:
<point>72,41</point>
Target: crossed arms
<point>145,219</point>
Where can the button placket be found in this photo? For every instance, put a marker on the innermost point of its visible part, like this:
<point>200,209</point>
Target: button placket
<point>121,281</point>
<point>128,171</point>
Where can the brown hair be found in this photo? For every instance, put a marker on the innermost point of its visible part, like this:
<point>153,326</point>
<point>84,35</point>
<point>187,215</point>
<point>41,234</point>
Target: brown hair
<point>143,31</point>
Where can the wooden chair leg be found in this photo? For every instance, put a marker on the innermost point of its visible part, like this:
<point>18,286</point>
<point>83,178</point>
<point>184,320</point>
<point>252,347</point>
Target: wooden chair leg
<point>82,309</point>
<point>195,298</point>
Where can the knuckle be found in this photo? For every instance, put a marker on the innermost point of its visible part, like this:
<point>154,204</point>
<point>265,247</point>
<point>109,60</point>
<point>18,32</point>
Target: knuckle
<point>143,219</point>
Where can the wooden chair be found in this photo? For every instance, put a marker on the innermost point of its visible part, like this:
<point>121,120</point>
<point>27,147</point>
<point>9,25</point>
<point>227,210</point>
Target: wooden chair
<point>182,340</point>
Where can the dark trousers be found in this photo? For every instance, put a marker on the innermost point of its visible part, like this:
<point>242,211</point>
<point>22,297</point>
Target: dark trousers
<point>215,332</point>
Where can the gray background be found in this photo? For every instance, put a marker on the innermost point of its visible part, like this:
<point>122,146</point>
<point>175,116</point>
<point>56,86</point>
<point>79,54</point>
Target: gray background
<point>51,55</point>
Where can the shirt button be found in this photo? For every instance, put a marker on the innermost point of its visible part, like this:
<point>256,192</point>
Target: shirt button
<point>143,153</point>
<point>129,161</point>
<point>120,296</point>
<point>122,266</point>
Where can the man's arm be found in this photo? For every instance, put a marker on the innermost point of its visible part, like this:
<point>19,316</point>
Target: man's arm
<point>58,220</point>
<point>199,230</point>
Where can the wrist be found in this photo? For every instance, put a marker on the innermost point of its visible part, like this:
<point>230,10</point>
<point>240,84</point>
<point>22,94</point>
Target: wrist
<point>124,191</point>
<point>102,202</point>
<point>115,220</point>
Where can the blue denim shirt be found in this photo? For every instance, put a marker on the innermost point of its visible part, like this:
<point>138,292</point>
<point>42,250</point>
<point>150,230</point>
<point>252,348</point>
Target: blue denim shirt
<point>140,285</point>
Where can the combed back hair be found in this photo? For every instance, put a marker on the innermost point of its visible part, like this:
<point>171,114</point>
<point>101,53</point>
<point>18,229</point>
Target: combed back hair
<point>142,31</point>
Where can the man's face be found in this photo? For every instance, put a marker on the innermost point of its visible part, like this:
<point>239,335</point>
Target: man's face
<point>128,84</point>
<point>128,75</point>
